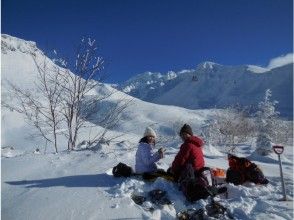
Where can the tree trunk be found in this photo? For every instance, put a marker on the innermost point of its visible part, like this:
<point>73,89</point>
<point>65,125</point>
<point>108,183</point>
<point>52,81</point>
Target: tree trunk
<point>55,139</point>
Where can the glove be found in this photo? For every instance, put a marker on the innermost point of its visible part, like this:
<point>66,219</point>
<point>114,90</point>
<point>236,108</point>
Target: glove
<point>161,151</point>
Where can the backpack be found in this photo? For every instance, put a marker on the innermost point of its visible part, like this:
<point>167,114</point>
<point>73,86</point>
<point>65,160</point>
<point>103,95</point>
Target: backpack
<point>241,170</point>
<point>255,175</point>
<point>193,184</point>
<point>122,170</point>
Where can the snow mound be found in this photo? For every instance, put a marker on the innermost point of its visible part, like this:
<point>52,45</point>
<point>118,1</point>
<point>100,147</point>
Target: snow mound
<point>211,151</point>
<point>9,152</point>
<point>252,201</point>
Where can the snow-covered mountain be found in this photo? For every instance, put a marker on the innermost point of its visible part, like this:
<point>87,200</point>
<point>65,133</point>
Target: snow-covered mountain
<point>212,85</point>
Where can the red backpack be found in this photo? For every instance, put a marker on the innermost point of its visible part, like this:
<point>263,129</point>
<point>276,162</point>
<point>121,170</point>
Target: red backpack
<point>242,170</point>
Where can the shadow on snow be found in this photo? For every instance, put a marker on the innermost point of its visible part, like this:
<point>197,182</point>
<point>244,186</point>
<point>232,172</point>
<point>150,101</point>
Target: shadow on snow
<point>97,180</point>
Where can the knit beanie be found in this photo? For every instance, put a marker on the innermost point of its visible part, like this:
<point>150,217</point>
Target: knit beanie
<point>149,132</point>
<point>187,129</point>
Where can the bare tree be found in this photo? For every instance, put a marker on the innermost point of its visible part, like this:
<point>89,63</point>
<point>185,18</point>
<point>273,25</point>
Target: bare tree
<point>62,97</point>
<point>75,86</point>
<point>78,105</point>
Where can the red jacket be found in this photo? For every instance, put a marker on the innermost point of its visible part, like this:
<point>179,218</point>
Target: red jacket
<point>190,152</point>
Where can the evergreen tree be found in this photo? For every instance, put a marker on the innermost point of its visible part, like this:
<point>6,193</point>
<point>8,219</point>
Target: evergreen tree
<point>266,120</point>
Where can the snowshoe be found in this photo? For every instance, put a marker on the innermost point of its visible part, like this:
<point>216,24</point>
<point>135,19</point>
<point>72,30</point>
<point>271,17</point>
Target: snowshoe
<point>159,197</point>
<point>156,199</point>
<point>142,201</point>
<point>217,210</point>
<point>191,214</point>
<point>139,200</point>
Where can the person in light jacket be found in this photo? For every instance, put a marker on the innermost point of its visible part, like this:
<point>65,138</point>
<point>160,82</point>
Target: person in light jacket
<point>145,155</point>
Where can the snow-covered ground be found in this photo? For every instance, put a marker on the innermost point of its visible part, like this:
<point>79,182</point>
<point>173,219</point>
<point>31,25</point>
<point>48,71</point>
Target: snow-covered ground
<point>38,184</point>
<point>79,185</point>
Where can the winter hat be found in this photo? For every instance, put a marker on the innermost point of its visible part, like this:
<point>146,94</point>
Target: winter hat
<point>186,129</point>
<point>149,132</point>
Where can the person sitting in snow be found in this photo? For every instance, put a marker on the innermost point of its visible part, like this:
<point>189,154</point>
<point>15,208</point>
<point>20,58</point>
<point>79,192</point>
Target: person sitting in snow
<point>190,153</point>
<point>189,171</point>
<point>145,155</point>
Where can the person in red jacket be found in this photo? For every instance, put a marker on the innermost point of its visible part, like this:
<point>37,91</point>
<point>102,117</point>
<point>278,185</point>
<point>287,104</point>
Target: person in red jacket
<point>190,152</point>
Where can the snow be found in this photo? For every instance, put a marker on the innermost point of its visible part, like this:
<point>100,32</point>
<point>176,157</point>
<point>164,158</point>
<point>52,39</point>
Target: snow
<point>208,65</point>
<point>185,71</point>
<point>128,89</point>
<point>257,69</point>
<point>171,75</point>
<point>211,151</point>
<point>10,152</point>
<point>79,184</point>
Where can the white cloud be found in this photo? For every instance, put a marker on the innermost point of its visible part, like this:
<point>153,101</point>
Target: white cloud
<point>280,61</point>
<point>257,69</point>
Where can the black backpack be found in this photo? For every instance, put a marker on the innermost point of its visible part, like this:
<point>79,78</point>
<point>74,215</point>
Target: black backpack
<point>122,170</point>
<point>193,184</point>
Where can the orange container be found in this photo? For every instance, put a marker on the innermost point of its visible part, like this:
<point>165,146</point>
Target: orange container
<point>218,172</point>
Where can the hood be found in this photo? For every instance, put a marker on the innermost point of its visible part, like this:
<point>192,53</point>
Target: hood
<point>195,141</point>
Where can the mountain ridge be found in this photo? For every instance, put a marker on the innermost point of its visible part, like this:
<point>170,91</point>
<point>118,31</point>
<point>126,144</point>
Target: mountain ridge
<point>212,85</point>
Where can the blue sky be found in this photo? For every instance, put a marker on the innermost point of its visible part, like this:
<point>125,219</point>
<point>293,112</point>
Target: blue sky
<point>157,35</point>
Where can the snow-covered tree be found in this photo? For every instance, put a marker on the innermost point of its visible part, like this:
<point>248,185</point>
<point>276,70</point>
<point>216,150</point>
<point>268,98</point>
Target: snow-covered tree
<point>210,132</point>
<point>263,144</point>
<point>232,126</point>
<point>283,132</point>
<point>266,124</point>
